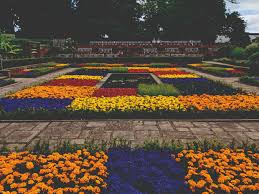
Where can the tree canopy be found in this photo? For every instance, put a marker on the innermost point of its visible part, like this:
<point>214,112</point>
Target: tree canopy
<point>119,19</point>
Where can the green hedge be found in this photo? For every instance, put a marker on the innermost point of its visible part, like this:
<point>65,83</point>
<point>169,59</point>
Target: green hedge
<point>26,61</point>
<point>179,60</point>
<point>250,81</point>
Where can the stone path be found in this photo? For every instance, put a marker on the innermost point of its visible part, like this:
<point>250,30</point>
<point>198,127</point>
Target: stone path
<point>25,82</point>
<point>27,134</point>
<point>234,81</point>
<point>224,64</point>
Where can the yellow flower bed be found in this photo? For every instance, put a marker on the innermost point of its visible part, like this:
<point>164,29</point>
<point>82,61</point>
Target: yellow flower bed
<point>221,103</point>
<point>62,65</point>
<point>176,76</point>
<point>225,171</point>
<point>195,65</point>
<point>79,172</point>
<point>138,68</point>
<point>54,92</point>
<point>163,69</point>
<point>114,65</point>
<point>127,104</point>
<point>84,77</point>
<point>98,68</point>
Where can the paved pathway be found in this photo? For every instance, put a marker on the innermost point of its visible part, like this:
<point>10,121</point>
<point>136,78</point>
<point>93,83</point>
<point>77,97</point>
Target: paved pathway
<point>26,134</point>
<point>234,81</point>
<point>224,64</point>
<point>25,82</point>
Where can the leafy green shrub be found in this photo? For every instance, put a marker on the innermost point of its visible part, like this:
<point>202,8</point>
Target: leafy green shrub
<point>156,90</point>
<point>119,70</point>
<point>238,53</point>
<point>251,49</point>
<point>254,64</point>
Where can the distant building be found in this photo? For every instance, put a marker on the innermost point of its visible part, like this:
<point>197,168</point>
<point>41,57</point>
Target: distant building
<point>253,36</point>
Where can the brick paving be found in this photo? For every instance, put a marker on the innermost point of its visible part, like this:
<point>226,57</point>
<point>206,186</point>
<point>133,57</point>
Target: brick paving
<point>26,82</point>
<point>26,134</point>
<point>234,81</point>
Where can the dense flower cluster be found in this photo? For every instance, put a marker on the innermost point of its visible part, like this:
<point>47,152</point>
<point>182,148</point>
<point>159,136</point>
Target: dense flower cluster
<point>79,172</point>
<point>224,171</point>
<point>13,104</point>
<point>142,172</point>
<point>112,92</point>
<point>220,103</point>
<point>173,76</point>
<point>54,92</point>
<point>127,104</point>
<point>84,77</point>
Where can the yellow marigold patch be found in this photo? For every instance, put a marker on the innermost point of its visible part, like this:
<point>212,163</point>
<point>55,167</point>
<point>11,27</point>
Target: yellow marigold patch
<point>86,77</point>
<point>221,103</point>
<point>114,65</point>
<point>195,65</point>
<point>54,92</point>
<point>175,76</point>
<point>62,65</point>
<point>79,172</point>
<point>127,104</point>
<point>224,171</point>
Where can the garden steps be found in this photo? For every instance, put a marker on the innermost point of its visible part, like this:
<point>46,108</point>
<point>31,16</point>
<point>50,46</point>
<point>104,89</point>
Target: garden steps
<point>234,81</point>
<point>26,82</point>
<point>26,134</point>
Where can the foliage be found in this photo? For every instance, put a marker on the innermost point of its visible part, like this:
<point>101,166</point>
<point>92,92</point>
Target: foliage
<point>238,53</point>
<point>7,47</point>
<point>5,82</point>
<point>119,70</point>
<point>251,49</point>
<point>157,89</point>
<point>254,63</point>
<point>250,80</point>
<point>235,29</point>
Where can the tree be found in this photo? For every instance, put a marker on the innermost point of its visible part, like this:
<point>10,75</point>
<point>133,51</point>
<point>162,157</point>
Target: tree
<point>7,48</point>
<point>235,28</point>
<point>7,16</point>
<point>184,19</point>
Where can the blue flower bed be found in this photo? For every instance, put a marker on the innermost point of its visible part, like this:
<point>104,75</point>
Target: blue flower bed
<point>144,172</point>
<point>9,104</point>
<point>199,86</point>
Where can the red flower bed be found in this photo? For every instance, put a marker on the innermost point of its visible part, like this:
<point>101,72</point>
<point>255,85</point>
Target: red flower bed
<point>112,92</point>
<point>170,72</point>
<point>71,82</point>
<point>236,71</point>
<point>138,70</point>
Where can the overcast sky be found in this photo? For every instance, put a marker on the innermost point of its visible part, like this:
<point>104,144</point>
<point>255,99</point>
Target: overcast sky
<point>249,9</point>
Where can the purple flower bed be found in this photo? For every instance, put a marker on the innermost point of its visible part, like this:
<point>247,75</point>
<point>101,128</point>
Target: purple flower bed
<point>9,104</point>
<point>90,72</point>
<point>181,80</point>
<point>139,171</point>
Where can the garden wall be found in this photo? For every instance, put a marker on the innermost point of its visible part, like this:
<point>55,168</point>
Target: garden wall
<point>180,60</point>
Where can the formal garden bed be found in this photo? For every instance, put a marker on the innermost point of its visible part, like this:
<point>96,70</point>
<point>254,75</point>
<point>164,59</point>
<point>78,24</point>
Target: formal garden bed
<point>254,81</point>
<point>36,71</point>
<point>6,82</point>
<point>221,71</point>
<point>165,92</point>
<point>115,167</point>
